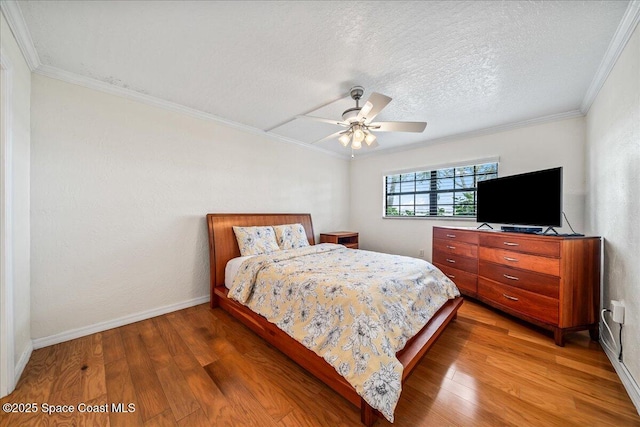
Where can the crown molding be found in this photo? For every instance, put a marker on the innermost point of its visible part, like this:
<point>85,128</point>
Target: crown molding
<point>91,83</point>
<point>622,35</point>
<point>479,132</point>
<point>13,14</point>
<point>18,26</point>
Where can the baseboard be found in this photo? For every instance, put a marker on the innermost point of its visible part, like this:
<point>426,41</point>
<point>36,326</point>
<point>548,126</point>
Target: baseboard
<point>22,362</point>
<point>110,324</point>
<point>627,379</point>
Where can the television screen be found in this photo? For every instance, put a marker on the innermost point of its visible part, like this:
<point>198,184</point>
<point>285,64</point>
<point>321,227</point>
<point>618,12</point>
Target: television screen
<point>533,198</point>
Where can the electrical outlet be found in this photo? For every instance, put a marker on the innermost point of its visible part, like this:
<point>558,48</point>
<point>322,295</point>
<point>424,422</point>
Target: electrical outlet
<point>617,311</point>
<point>421,253</point>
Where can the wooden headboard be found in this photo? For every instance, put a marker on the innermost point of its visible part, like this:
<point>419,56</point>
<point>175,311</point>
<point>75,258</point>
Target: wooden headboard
<point>222,241</point>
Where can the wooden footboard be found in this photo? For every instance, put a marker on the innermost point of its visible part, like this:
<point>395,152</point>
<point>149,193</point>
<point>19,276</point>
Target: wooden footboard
<point>223,247</point>
<point>292,348</point>
<point>410,356</point>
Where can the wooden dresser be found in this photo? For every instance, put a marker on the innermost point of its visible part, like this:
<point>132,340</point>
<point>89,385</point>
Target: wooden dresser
<point>551,281</point>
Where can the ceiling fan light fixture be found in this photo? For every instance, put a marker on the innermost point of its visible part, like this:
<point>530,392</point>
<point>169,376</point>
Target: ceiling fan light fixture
<point>344,139</point>
<point>356,145</point>
<point>370,138</point>
<point>358,135</point>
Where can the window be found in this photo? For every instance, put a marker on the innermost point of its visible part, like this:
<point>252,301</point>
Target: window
<point>447,192</point>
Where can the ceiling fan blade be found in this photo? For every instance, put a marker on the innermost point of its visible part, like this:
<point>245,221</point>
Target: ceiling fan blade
<point>397,126</point>
<point>323,120</point>
<point>373,106</point>
<point>333,135</point>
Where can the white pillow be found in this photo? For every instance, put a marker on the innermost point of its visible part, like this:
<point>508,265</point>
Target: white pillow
<point>291,236</point>
<point>255,240</point>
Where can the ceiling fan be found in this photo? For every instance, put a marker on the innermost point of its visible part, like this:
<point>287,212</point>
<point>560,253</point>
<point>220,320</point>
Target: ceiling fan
<point>358,121</point>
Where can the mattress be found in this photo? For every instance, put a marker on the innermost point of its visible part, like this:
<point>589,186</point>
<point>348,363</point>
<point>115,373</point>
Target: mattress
<point>231,269</point>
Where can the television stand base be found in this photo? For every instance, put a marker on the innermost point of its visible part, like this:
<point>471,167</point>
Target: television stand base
<point>529,230</point>
<point>483,224</point>
<point>550,230</point>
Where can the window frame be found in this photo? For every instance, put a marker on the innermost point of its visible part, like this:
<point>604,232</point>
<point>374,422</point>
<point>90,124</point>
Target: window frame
<point>434,174</point>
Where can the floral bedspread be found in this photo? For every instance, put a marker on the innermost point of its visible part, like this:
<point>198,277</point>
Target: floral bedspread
<point>353,308</point>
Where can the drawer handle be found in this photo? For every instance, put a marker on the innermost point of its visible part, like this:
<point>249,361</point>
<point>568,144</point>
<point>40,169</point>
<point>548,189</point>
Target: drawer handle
<point>450,247</point>
<point>510,277</point>
<point>510,297</point>
<point>452,261</point>
<point>451,276</point>
<point>453,236</point>
<point>511,259</point>
<point>511,244</point>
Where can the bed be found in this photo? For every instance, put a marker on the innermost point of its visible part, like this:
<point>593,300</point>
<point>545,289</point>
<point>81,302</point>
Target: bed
<point>223,247</point>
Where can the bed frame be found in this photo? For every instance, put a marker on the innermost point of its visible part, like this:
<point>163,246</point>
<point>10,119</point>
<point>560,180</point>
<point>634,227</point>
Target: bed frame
<point>223,247</point>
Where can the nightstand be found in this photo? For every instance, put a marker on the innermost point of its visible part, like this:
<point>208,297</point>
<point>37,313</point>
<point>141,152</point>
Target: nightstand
<point>346,238</point>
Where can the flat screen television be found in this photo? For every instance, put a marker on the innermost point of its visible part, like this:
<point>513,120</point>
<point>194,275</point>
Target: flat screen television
<point>533,198</point>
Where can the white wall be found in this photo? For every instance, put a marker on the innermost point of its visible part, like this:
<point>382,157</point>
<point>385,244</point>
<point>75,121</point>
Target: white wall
<point>19,143</point>
<point>541,146</point>
<point>120,191</point>
<point>613,197</point>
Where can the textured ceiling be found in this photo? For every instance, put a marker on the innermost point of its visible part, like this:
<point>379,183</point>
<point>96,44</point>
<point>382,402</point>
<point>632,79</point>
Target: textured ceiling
<point>460,66</point>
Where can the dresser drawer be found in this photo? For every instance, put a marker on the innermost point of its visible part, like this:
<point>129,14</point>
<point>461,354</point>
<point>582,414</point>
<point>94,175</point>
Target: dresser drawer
<point>522,261</point>
<point>469,265</point>
<point>537,306</point>
<point>455,235</point>
<point>456,248</point>
<point>524,279</point>
<point>466,282</point>
<point>536,246</point>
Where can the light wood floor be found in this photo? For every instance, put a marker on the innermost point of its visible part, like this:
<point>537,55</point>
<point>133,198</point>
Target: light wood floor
<point>201,367</point>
